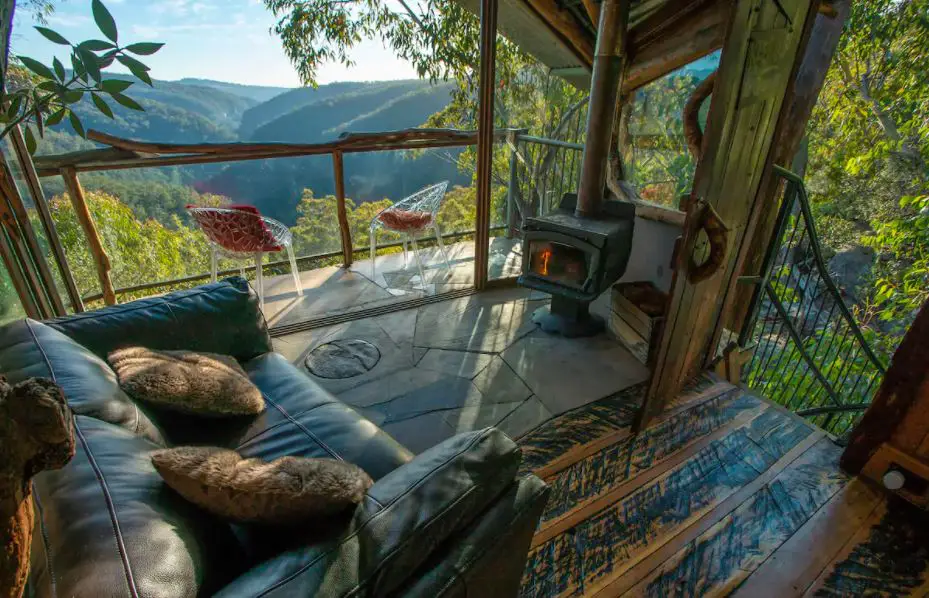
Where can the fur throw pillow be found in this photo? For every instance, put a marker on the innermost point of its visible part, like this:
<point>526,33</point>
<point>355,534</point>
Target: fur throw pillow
<point>288,490</point>
<point>195,383</point>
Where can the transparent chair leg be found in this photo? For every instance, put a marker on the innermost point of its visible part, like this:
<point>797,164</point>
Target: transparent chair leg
<point>418,260</point>
<point>259,279</point>
<point>293,269</point>
<point>438,238</point>
<point>214,264</point>
<point>406,258</point>
<point>242,271</point>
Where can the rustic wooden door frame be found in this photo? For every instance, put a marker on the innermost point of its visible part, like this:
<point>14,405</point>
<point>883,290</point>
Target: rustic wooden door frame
<point>764,45</point>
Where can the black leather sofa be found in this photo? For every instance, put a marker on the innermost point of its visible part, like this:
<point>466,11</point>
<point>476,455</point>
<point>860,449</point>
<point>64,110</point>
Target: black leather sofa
<point>455,520</point>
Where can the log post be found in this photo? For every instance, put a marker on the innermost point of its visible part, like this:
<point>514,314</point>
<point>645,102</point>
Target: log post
<point>809,81</point>
<point>45,215</point>
<point>86,220</point>
<point>761,55</point>
<point>485,139</point>
<point>345,234</point>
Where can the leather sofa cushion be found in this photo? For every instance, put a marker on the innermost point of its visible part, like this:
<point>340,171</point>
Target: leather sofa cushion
<point>111,527</point>
<point>222,317</point>
<point>29,349</point>
<point>406,515</point>
<point>300,419</point>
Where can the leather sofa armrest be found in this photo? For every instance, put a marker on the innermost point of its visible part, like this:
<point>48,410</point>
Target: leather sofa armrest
<point>222,317</point>
<point>405,517</point>
<point>487,559</point>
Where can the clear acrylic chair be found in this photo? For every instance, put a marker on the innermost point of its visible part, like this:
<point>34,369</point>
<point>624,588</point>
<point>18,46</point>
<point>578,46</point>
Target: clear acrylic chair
<point>241,233</point>
<point>411,216</point>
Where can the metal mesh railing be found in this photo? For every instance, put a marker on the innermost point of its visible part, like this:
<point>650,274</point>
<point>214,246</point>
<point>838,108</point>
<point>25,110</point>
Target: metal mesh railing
<point>810,354</point>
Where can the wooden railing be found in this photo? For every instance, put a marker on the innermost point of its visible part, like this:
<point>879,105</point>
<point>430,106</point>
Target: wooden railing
<point>129,154</point>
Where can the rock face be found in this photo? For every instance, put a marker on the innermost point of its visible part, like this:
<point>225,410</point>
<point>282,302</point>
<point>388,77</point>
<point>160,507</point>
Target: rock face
<point>36,434</point>
<point>850,270</point>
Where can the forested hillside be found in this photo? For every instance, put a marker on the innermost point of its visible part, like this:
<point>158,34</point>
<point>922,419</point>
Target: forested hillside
<point>196,111</point>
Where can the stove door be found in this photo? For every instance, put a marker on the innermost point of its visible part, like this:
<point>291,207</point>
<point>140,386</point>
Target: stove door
<point>554,260</point>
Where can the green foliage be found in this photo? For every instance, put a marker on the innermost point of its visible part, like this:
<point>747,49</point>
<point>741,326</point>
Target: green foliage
<point>42,95</point>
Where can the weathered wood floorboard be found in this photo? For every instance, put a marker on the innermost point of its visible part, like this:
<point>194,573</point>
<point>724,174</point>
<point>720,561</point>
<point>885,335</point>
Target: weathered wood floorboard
<point>800,560</point>
<point>598,473</point>
<point>600,548</point>
<point>723,556</point>
<point>888,556</point>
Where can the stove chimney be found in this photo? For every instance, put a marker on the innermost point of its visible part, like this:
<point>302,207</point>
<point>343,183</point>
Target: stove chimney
<point>605,81</point>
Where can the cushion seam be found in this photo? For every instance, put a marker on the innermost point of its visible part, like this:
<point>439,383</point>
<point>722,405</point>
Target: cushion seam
<point>303,428</point>
<point>38,344</point>
<point>45,541</point>
<point>303,569</point>
<point>279,424</point>
<point>111,509</point>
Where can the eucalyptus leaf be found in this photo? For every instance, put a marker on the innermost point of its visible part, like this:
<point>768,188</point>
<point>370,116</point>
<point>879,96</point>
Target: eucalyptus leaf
<point>101,105</point>
<point>13,109</point>
<point>76,124</point>
<point>78,67</point>
<point>56,117</point>
<point>104,21</point>
<point>31,144</point>
<point>115,85</point>
<point>37,67</point>
<point>96,45</point>
<point>72,96</point>
<point>59,69</point>
<point>53,36</point>
<point>127,102</point>
<point>144,48</point>
<point>91,63</point>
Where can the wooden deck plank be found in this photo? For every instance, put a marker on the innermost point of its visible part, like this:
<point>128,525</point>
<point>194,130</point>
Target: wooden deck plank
<point>722,557</point>
<point>597,551</point>
<point>606,476</point>
<point>888,556</point>
<point>603,434</point>
<point>801,559</point>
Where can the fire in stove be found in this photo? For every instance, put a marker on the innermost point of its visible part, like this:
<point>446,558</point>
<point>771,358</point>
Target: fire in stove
<point>575,259</point>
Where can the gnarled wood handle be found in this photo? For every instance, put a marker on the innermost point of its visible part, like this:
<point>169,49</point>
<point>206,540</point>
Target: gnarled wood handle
<point>717,233</point>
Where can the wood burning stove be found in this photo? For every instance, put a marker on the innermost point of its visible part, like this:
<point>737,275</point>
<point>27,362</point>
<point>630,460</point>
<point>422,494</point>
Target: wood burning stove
<point>580,249</point>
<point>575,259</point>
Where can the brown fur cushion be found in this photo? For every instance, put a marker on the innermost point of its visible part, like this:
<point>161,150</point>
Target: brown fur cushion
<point>285,491</point>
<point>198,383</point>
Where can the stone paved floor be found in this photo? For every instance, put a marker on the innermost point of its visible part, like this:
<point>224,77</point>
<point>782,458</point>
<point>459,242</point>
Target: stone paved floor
<point>333,290</point>
<point>469,363</point>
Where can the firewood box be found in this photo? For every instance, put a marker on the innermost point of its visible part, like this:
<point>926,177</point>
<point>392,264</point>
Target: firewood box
<point>637,314</point>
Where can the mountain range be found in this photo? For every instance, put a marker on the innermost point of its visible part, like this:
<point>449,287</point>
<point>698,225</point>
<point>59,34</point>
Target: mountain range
<point>201,110</point>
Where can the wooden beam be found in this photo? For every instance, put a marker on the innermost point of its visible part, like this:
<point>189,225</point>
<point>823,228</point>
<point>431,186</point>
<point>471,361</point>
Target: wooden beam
<point>563,24</point>
<point>86,220</point>
<point>807,85</point>
<point>902,396</point>
<point>667,40</point>
<point>345,234</point>
<point>485,139</point>
<point>764,44</point>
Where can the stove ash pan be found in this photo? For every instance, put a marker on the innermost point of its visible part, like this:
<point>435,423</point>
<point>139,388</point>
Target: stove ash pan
<point>577,258</point>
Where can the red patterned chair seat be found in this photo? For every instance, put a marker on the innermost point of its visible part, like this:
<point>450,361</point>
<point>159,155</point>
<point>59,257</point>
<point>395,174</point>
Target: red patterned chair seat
<point>237,228</point>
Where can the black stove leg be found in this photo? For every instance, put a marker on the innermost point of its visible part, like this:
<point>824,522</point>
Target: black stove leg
<point>568,317</point>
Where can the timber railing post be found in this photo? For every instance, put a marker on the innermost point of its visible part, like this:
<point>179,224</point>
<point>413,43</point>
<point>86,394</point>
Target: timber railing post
<point>512,187</point>
<point>86,220</point>
<point>485,139</point>
<point>345,234</point>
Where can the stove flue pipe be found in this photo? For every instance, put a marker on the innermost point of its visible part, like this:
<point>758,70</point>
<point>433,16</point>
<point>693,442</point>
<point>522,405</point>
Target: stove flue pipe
<point>608,66</point>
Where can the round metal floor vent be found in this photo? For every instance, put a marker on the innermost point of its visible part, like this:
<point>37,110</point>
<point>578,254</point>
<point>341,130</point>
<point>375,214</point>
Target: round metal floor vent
<point>343,358</point>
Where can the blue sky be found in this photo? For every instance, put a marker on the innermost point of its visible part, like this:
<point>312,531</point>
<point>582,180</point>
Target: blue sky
<point>226,40</point>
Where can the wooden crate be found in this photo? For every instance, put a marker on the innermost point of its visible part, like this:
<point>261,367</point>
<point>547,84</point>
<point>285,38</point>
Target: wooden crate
<point>636,317</point>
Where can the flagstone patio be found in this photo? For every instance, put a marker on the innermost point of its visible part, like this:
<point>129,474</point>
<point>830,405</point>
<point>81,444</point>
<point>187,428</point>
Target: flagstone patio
<point>462,364</point>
